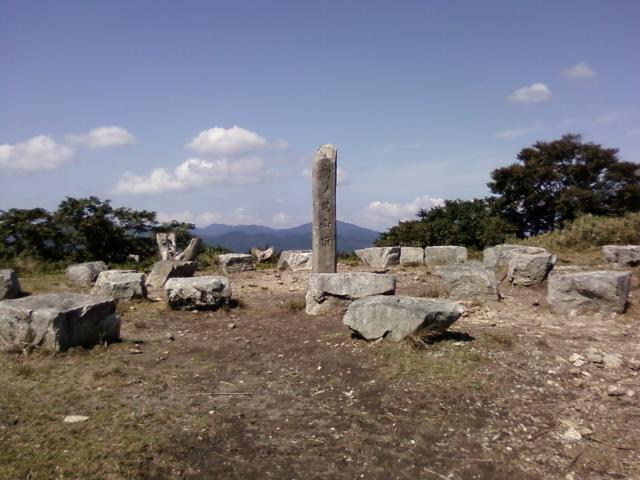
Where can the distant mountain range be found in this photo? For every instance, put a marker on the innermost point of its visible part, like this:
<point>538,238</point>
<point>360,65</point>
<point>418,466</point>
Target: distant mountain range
<point>241,238</point>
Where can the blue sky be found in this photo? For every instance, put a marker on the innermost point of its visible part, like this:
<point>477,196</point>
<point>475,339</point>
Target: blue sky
<point>210,111</point>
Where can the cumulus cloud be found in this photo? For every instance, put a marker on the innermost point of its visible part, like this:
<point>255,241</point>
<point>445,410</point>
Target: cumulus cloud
<point>384,214</point>
<point>228,141</point>
<point>517,132</point>
<point>40,153</point>
<point>201,219</point>
<point>343,176</point>
<point>192,173</point>
<point>280,219</point>
<point>101,137</point>
<point>229,156</point>
<point>579,71</point>
<point>536,92</point>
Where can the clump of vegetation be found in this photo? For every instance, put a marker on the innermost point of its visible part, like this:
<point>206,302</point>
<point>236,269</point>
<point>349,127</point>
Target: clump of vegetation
<point>472,224</point>
<point>551,185</point>
<point>208,256</point>
<point>81,229</point>
<point>589,231</point>
<point>296,304</point>
<point>348,258</point>
<point>555,182</point>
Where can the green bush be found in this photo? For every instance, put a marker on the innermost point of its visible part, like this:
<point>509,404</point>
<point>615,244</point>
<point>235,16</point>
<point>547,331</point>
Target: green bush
<point>468,223</point>
<point>589,231</point>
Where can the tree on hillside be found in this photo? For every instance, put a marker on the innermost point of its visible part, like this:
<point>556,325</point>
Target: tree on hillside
<point>554,182</point>
<point>28,232</point>
<point>93,229</point>
<point>468,223</point>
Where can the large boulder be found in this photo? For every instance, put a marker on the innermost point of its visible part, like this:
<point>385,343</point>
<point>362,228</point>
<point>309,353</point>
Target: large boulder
<point>530,268</point>
<point>469,281</point>
<point>622,255</point>
<point>379,257</point>
<point>397,317</point>
<point>444,255</point>
<point>295,260</point>
<point>9,284</point>
<point>411,256</point>
<point>587,292</point>
<point>329,291</point>
<point>85,273</point>
<point>197,293</point>
<point>165,269</point>
<point>120,284</point>
<point>500,255</point>
<point>236,262</point>
<point>57,321</point>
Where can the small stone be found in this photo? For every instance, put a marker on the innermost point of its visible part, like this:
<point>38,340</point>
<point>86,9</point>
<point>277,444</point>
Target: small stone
<point>615,391</point>
<point>571,435</point>
<point>631,393</point>
<point>75,419</point>
<point>576,360</point>
<point>231,325</point>
<point>169,336</point>
<point>594,358</point>
<point>612,360</point>
<point>135,351</point>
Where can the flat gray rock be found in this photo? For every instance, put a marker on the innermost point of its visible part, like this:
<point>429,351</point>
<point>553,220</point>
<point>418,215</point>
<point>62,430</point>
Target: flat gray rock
<point>197,293</point>
<point>379,257</point>
<point>85,273</point>
<point>469,281</point>
<point>530,268</point>
<point>444,255</point>
<point>165,269</point>
<point>411,256</point>
<point>57,321</point>
<point>588,292</point>
<point>500,255</point>
<point>9,284</point>
<point>295,260</point>
<point>328,291</point>
<point>397,317</point>
<point>622,255</point>
<point>120,284</point>
<point>236,262</point>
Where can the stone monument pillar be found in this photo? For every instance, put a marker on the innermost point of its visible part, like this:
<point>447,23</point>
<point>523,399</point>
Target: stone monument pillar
<point>323,179</point>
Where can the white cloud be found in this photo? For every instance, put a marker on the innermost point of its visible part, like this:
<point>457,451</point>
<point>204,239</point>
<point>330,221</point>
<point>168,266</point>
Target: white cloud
<point>280,219</point>
<point>579,71</point>
<point>203,219</point>
<point>517,132</point>
<point>199,219</point>
<point>385,214</point>
<point>101,137</point>
<point>192,174</point>
<point>40,153</point>
<point>608,118</point>
<point>230,157</point>
<point>228,141</point>
<point>536,92</point>
<point>343,176</point>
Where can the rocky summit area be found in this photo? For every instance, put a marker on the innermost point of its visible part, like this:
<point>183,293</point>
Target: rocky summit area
<point>258,388</point>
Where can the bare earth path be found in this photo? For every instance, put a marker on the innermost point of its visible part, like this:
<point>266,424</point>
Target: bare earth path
<point>264,391</point>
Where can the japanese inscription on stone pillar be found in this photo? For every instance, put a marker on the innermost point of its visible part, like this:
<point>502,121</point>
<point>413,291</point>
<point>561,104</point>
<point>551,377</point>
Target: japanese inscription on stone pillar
<point>324,209</point>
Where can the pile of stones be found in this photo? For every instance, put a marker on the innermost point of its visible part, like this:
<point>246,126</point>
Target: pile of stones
<point>372,309</point>
<point>58,321</point>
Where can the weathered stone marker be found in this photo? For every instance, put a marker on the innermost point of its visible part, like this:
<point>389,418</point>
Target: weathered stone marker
<point>324,209</point>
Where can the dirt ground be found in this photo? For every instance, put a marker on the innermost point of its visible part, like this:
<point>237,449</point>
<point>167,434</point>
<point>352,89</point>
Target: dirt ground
<point>261,390</point>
